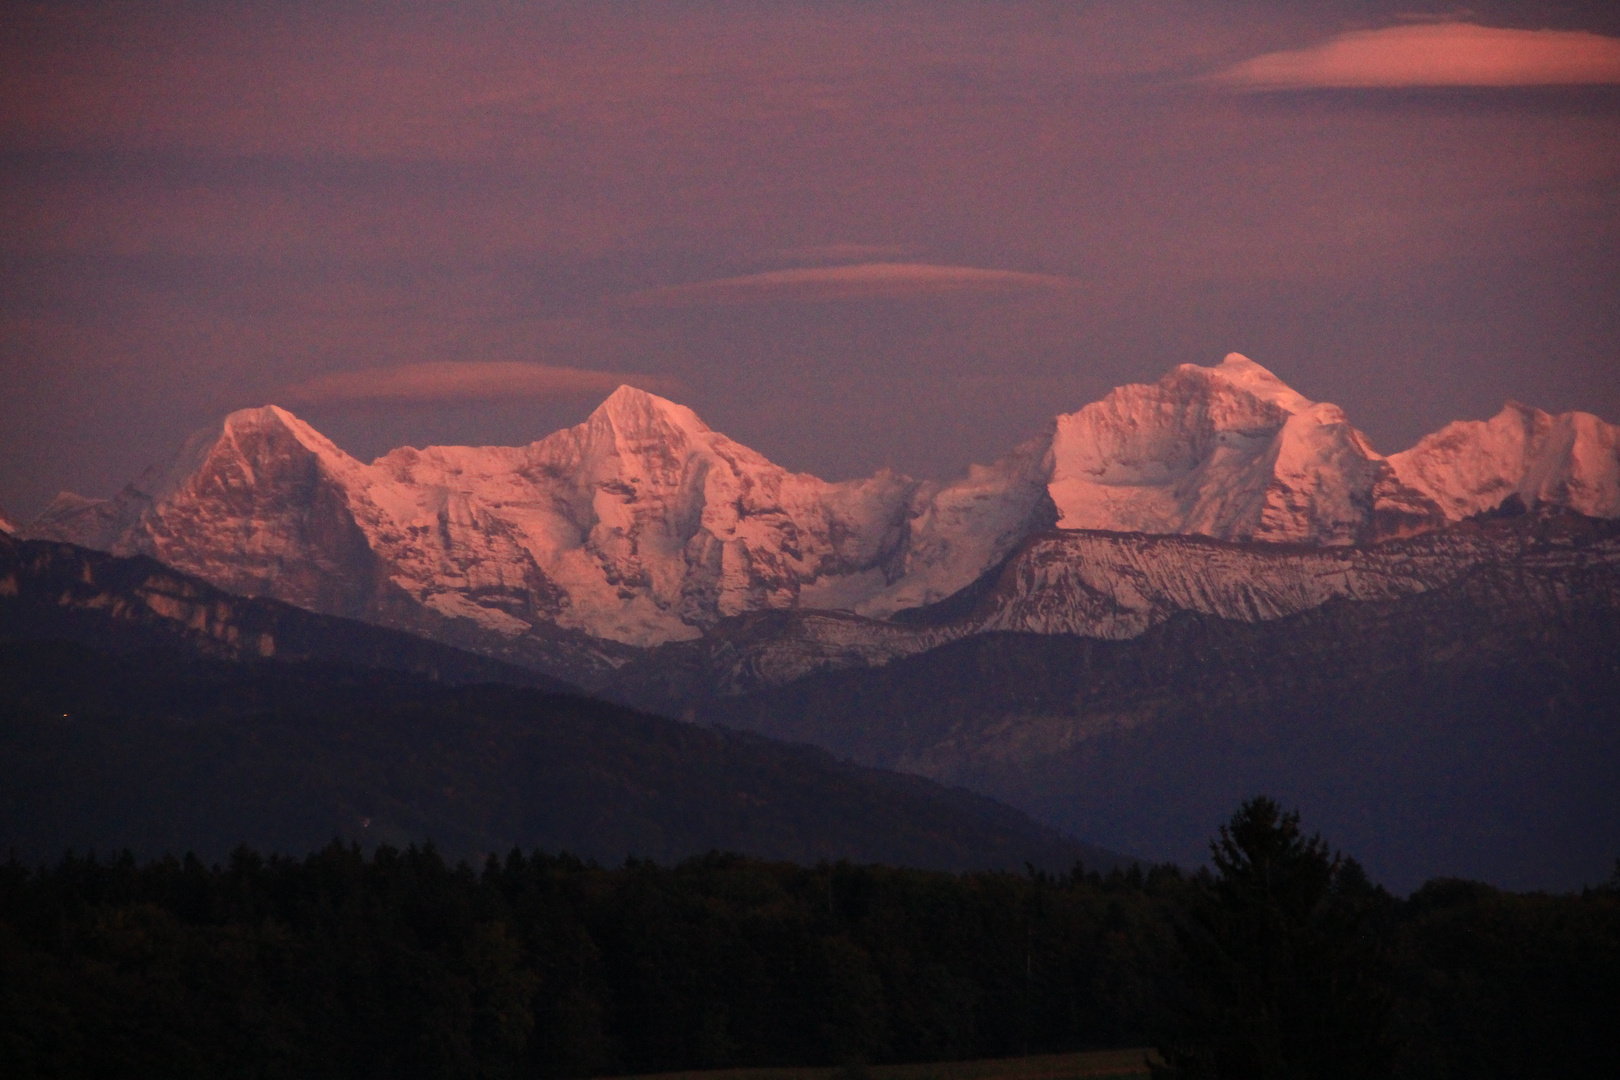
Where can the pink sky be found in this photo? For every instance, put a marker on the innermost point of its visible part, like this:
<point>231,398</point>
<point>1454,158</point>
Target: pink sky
<point>850,235</point>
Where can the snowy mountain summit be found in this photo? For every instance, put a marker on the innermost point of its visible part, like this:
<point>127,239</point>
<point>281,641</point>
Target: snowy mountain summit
<point>643,525</point>
<point>1234,453</point>
<point>1230,452</point>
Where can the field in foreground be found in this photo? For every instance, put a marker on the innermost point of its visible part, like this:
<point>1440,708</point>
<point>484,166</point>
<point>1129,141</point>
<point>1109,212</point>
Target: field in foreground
<point>1089,1065</point>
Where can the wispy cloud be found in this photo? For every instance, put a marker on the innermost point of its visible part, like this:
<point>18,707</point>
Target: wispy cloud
<point>844,253</point>
<point>863,281</point>
<point>466,381</point>
<point>1435,54</point>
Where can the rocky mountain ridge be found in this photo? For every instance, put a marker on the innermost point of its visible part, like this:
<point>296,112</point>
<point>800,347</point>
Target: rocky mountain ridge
<point>1115,587</point>
<point>53,591</point>
<point>642,526</point>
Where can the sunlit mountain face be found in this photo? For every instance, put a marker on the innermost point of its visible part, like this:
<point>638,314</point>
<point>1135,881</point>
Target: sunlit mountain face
<point>643,525</point>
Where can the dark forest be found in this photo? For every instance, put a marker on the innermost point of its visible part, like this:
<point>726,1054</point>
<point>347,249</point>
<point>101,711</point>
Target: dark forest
<point>1284,960</point>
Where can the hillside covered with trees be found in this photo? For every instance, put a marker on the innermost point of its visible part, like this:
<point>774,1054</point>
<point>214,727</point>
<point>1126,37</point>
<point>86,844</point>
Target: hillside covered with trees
<point>1283,961</point>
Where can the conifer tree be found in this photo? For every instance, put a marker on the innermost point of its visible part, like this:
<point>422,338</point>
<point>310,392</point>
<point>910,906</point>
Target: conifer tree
<point>1281,967</point>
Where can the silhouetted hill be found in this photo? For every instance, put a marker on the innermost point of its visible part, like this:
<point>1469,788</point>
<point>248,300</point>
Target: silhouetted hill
<point>157,751</point>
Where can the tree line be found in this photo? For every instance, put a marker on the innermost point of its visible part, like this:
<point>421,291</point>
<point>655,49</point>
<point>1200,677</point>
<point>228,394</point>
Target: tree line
<point>1282,960</point>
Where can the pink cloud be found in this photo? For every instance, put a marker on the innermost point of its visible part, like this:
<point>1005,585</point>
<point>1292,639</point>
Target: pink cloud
<point>863,281</point>
<point>1436,54</point>
<point>824,253</point>
<point>468,381</point>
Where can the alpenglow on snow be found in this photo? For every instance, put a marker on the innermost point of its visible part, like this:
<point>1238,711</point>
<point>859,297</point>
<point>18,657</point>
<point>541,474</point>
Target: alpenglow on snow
<point>642,525</point>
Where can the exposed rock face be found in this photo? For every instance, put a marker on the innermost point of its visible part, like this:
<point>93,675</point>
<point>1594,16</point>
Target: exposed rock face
<point>1118,586</point>
<point>1114,586</point>
<point>643,526</point>
<point>957,531</point>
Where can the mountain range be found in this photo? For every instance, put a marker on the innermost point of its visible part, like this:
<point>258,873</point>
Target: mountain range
<point>1212,550</point>
<point>642,525</point>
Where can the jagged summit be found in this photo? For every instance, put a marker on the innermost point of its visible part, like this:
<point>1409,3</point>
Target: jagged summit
<point>272,418</point>
<point>269,429</point>
<point>1230,451</point>
<point>634,411</point>
<point>1243,374</point>
<point>642,524</point>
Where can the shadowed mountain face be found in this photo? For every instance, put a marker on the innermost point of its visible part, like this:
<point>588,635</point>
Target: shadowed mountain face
<point>1445,706</point>
<point>1468,730</point>
<point>59,591</point>
<point>223,720</point>
<point>158,752</point>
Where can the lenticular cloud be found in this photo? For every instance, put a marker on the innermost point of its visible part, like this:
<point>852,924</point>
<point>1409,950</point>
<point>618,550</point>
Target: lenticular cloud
<point>464,381</point>
<point>1439,54</point>
<point>857,282</point>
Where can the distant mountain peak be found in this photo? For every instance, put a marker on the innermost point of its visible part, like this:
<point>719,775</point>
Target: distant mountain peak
<point>274,424</point>
<point>644,525</point>
<point>632,411</point>
<point>263,416</point>
<point>1229,451</point>
<point>1241,373</point>
<point>1470,466</point>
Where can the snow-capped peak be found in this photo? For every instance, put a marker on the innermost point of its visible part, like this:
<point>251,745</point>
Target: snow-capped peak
<point>1243,374</point>
<point>642,524</point>
<point>1229,451</point>
<point>634,411</point>
<point>1469,466</point>
<point>257,430</point>
<point>270,418</point>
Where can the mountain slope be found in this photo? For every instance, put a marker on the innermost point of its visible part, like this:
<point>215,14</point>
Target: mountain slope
<point>52,591</point>
<point>200,719</point>
<point>1469,729</point>
<point>157,752</point>
<point>1111,586</point>
<point>1471,466</point>
<point>637,526</point>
